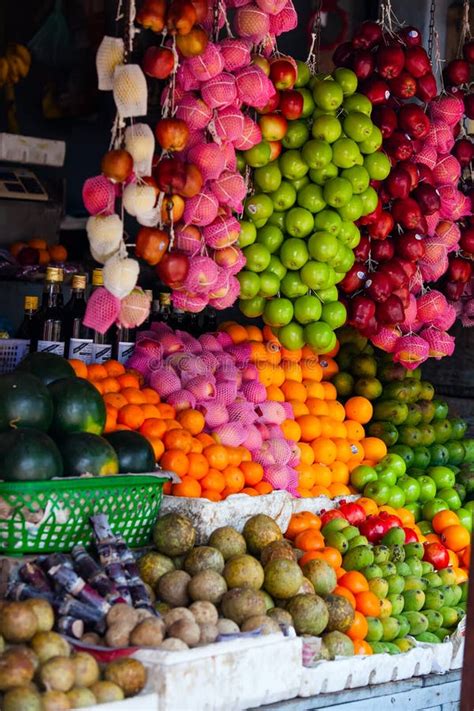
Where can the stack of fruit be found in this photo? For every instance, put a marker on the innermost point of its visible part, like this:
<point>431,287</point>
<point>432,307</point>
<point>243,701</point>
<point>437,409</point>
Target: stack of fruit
<point>37,252</point>
<point>299,232</point>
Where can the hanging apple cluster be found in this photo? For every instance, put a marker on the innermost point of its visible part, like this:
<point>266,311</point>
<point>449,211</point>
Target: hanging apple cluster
<point>407,239</point>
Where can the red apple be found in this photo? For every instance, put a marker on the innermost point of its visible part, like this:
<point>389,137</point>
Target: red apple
<point>261,62</point>
<point>371,329</point>
<point>408,267</point>
<point>410,36</point>
<point>158,62</point>
<point>172,134</point>
<point>390,61</point>
<point>425,173</point>
<point>117,165</point>
<point>181,17</point>
<point>381,227</point>
<point>367,35</point>
<point>404,295</point>
<point>276,148</point>
<point>403,86</point>
<point>354,279</point>
<point>382,250</point>
<point>363,63</point>
<point>376,90</point>
<point>379,286</point>
<point>398,183</point>
<point>407,213</point>
<point>459,269</point>
<point>193,43</point>
<point>413,120</point>
<point>173,269</point>
<point>342,56</point>
<point>457,72</point>
<point>426,87</point>
<point>469,105</point>
<point>453,290</point>
<point>427,198</point>
<point>283,74</point>
<point>372,216</point>
<point>194,181</point>
<point>463,150</point>
<point>291,104</point>
<point>391,310</point>
<point>362,251</point>
<point>152,15</point>
<point>272,105</point>
<point>386,119</point>
<point>409,245</point>
<point>383,193</point>
<point>273,126</point>
<point>170,175</point>
<point>417,62</point>
<point>362,310</point>
<point>468,51</point>
<point>395,273</point>
<point>467,240</point>
<point>399,147</point>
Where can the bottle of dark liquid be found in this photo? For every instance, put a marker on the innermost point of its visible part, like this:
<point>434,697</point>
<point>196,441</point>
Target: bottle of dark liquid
<point>78,336</point>
<point>165,311</point>
<point>101,342</point>
<point>179,320</point>
<point>51,331</point>
<point>209,320</point>
<point>194,324</point>
<point>28,330</point>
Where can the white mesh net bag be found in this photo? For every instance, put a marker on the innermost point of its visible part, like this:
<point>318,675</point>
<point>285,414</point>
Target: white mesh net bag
<point>108,57</point>
<point>105,236</point>
<point>139,198</point>
<point>140,143</point>
<point>130,90</point>
<point>120,275</point>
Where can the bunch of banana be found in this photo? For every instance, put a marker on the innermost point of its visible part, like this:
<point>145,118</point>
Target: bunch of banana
<point>15,65</point>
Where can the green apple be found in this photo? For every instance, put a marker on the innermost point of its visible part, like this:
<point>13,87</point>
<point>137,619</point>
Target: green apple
<point>315,275</point>
<point>357,102</point>
<point>349,234</point>
<point>317,153</point>
<point>343,259</point>
<point>377,165</point>
<point>307,309</point>
<point>277,218</point>
<point>258,155</point>
<point>278,312</point>
<point>327,295</point>
<point>337,192</point>
<point>248,234</point>
<point>300,183</point>
<point>294,253</point>
<point>327,128</point>
<point>334,314</point>
<point>291,336</point>
<point>357,126</point>
<point>352,210</point>
<point>328,221</point>
<point>373,142</point>
<point>370,199</point>
<point>241,164</point>
<point>292,165</point>
<point>292,286</point>
<point>261,222</point>
<point>270,236</point>
<point>299,222</point>
<point>321,175</point>
<point>303,74</point>
<point>308,103</point>
<point>297,133</point>
<point>276,267</point>
<point>328,95</point>
<point>347,80</point>
<point>345,153</point>
<point>321,112</point>
<point>269,284</point>
<point>323,246</point>
<point>320,337</point>
<point>257,256</point>
<point>284,197</point>
<point>252,308</point>
<point>359,178</point>
<point>268,177</point>
<point>311,198</point>
<point>249,284</point>
<point>258,207</point>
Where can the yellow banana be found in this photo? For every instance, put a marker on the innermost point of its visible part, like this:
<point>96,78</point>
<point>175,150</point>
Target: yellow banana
<point>17,65</point>
<point>20,51</point>
<point>4,66</point>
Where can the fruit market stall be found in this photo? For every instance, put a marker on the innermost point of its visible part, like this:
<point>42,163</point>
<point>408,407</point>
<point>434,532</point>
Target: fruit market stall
<point>191,493</point>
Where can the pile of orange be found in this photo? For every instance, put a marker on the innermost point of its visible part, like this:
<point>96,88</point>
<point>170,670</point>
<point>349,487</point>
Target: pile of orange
<point>206,469</point>
<point>456,538</point>
<point>330,436</point>
<point>55,253</point>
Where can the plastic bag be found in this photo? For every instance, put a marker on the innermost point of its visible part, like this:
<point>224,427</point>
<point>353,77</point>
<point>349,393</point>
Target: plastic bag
<point>51,45</point>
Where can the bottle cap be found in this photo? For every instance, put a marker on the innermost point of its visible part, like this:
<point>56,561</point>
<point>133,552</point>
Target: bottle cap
<point>54,274</point>
<point>31,303</point>
<point>165,299</point>
<point>97,277</point>
<point>79,281</point>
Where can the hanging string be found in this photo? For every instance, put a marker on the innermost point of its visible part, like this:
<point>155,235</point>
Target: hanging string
<point>431,29</point>
<point>438,61</point>
<point>465,26</point>
<point>215,20</point>
<point>314,55</point>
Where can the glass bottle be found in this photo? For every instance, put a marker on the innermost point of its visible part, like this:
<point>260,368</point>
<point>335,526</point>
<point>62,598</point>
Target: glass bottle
<point>165,309</point>
<point>78,336</point>
<point>28,329</point>
<point>51,331</point>
<point>124,343</point>
<point>101,342</point>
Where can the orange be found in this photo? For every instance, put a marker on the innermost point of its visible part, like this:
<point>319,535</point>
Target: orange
<point>453,559</point>
<point>354,430</point>
<point>456,537</point>
<point>234,479</point>
<point>235,456</point>
<point>150,411</point>
<point>333,353</point>
<point>310,555</point>
<point>198,465</point>
<point>151,395</point>
<point>275,393</point>
<point>301,522</point>
<point>133,395</point>
<point>192,420</point>
<point>166,411</point>
<point>97,384</point>
<point>337,489</point>
<point>252,471</point>
<point>210,494</point>
<point>306,476</point>
<point>369,506</point>
<point>354,581</point>
<point>406,517</point>
<point>332,556</point>
<point>265,373</point>
<point>167,488</point>
<point>343,449</point>
<point>158,447</point>
<point>324,449</point>
<point>96,371</point>
<point>153,428</point>
<point>339,430</point>
<point>362,647</point>
<point>205,439</point>
<point>340,572</point>
<point>311,370</point>
<point>79,367</point>
<point>330,392</point>
<point>114,368</point>
<point>110,385</point>
<point>299,408</point>
<point>268,334</point>
<point>359,409</point>
<point>304,493</point>
<point>359,628</point>
<point>316,406</point>
<point>274,354</point>
<point>291,356</point>
<point>115,399</point>
<point>329,367</point>
<point>374,448</point>
<point>43,257</point>
<point>318,490</point>
<point>345,592</point>
<point>175,461</point>
<point>294,390</point>
<point>336,410</point>
<point>249,491</point>
<point>322,475</point>
<point>309,426</point>
<point>292,371</point>
<point>37,243</point>
<point>306,453</point>
<point>132,416</point>
<point>254,333</point>
<point>178,439</point>
<point>309,540</point>
<point>327,426</point>
<point>466,556</point>
<point>368,603</point>
<point>172,425</point>
<point>264,487</point>
<point>340,473</point>
<point>432,538</point>
<point>214,480</point>
<point>128,380</point>
<point>237,332</point>
<point>217,456</point>
<point>110,418</point>
<point>119,428</point>
<point>58,253</point>
<point>188,487</point>
<point>245,454</point>
<point>291,430</point>
<point>278,376</point>
<point>16,247</point>
<point>443,519</point>
<point>196,446</point>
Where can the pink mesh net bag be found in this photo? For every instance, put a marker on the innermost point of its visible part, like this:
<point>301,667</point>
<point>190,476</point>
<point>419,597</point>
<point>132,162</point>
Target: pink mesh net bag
<point>253,440</point>
<point>165,381</point>
<point>272,7</point>
<point>178,92</point>
<point>230,190</point>
<point>254,392</point>
<point>251,22</point>
<point>195,139</point>
<point>140,361</point>
<point>449,109</point>
<point>230,158</point>
<point>240,353</point>
<point>435,250</point>
<point>229,123</point>
<point>237,3</point>
<point>202,275</point>
<point>194,111</point>
<point>432,223</point>
<point>254,88</point>
<point>191,344</point>
<point>387,338</point>
<point>203,387</point>
<point>226,370</point>
<point>98,195</point>
<point>251,135</point>
<point>277,475</point>
<point>221,286</point>
<point>250,372</point>
<point>453,203</point>
<point>272,412</point>
<point>290,415</point>
<point>208,22</point>
<point>188,240</point>
<point>201,209</point>
<point>448,233</point>
<point>210,343</point>
<point>134,309</point>
<point>182,400</point>
<point>208,64</point>
<point>209,159</point>
<point>185,80</point>
<point>447,170</point>
<point>285,21</point>
<point>220,91</point>
<point>215,413</point>
<point>431,305</point>
<point>230,298</point>
<point>440,136</point>
<point>280,449</point>
<point>446,320</point>
<point>410,315</point>
<point>235,53</point>
<point>231,259</point>
<point>428,155</point>
<point>223,232</point>
<point>102,310</point>
<point>171,343</point>
<point>231,434</point>
<point>194,303</point>
<point>411,351</point>
<point>432,271</point>
<point>208,359</point>
<point>225,340</point>
<point>440,343</point>
<point>241,411</point>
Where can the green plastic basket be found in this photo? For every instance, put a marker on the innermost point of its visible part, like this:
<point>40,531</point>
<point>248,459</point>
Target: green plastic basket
<point>131,502</point>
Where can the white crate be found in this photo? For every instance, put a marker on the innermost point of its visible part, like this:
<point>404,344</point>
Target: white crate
<point>226,676</point>
<point>144,702</point>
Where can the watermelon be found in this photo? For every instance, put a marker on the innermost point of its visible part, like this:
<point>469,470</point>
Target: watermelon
<point>48,367</point>
<point>135,453</point>
<point>29,455</point>
<point>78,407</point>
<point>24,402</point>
<point>83,452</point>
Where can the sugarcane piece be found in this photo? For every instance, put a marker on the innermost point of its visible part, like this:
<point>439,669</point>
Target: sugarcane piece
<point>77,586</point>
<point>24,591</point>
<point>32,574</point>
<point>70,626</point>
<point>70,607</point>
<point>106,544</point>
<point>49,561</point>
<point>93,574</point>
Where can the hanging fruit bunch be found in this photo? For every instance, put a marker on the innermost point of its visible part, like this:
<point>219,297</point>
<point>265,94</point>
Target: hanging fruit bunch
<point>407,239</point>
